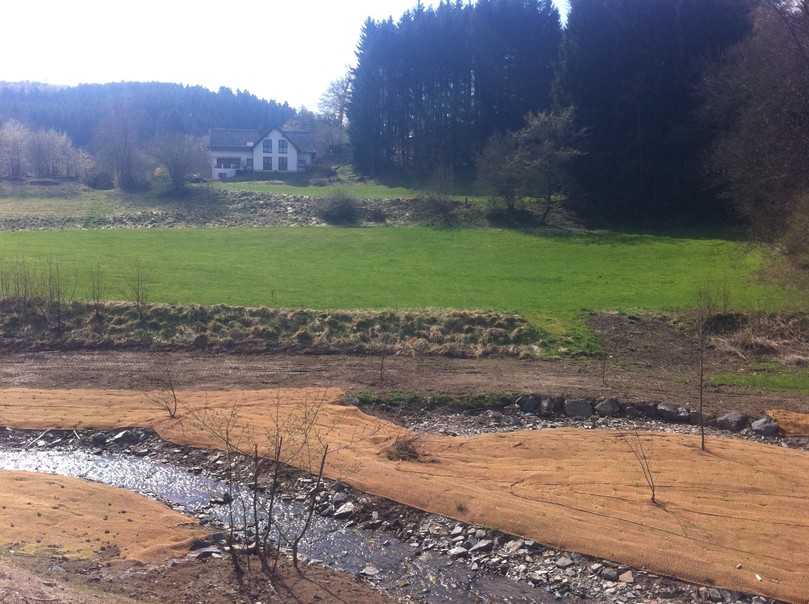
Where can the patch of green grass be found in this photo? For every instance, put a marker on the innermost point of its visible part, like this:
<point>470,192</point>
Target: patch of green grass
<point>550,280</point>
<point>767,377</point>
<point>360,190</point>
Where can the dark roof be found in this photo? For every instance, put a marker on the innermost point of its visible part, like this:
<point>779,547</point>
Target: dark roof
<point>226,138</point>
<point>303,141</point>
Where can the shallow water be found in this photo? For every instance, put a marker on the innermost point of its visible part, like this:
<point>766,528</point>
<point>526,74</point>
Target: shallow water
<point>427,576</point>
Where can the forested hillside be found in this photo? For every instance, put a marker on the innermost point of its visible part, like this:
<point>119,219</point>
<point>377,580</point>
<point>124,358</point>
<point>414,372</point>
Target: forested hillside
<point>154,108</point>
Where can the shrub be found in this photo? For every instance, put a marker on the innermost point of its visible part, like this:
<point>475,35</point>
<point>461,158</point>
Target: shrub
<point>341,209</point>
<point>439,211</point>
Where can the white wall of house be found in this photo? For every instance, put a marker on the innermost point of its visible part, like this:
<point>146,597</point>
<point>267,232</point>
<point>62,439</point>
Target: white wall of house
<point>294,163</point>
<point>291,155</point>
<point>219,173</point>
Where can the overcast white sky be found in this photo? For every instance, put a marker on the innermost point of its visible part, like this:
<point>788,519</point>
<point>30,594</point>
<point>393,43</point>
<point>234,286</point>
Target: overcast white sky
<point>288,50</point>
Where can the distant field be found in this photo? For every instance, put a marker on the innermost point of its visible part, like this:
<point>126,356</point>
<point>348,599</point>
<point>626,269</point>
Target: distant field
<point>360,190</point>
<point>549,279</point>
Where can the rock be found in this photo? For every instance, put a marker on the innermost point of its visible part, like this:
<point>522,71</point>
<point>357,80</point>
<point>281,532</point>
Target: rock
<point>205,553</point>
<point>578,408</point>
<point>608,408</point>
<point>99,439</point>
<point>528,403</point>
<point>551,406</point>
<point>626,577</point>
<point>512,547</point>
<point>345,510</point>
<point>458,551</point>
<point>339,498</point>
<point>564,562</point>
<point>608,573</point>
<point>733,421</point>
<point>672,413</point>
<point>482,545</point>
<point>370,571</point>
<point>765,426</point>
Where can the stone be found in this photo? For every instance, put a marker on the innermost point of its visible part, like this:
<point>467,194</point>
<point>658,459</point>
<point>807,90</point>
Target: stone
<point>370,571</point>
<point>512,547</point>
<point>339,498</point>
<point>626,577</point>
<point>551,406</point>
<point>733,421</point>
<point>608,573</point>
<point>481,546</point>
<point>578,408</point>
<point>765,426</point>
<point>345,510</point>
<point>672,413</point>
<point>608,408</point>
<point>528,403</point>
<point>458,551</point>
<point>564,562</point>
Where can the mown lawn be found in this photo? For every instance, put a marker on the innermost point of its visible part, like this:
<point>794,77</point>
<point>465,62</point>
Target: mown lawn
<point>549,279</point>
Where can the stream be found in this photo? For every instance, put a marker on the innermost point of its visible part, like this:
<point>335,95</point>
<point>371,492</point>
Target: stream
<point>389,563</point>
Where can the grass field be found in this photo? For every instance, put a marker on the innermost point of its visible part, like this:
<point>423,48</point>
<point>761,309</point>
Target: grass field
<point>548,279</point>
<point>768,377</point>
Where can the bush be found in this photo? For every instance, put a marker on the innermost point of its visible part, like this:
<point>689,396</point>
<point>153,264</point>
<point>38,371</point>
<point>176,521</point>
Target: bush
<point>439,211</point>
<point>100,180</point>
<point>341,210</point>
<point>796,240</point>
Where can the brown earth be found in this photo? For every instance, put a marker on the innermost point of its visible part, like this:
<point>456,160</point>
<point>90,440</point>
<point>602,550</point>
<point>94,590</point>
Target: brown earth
<point>82,520</point>
<point>641,377</point>
<point>734,516</point>
<point>26,580</point>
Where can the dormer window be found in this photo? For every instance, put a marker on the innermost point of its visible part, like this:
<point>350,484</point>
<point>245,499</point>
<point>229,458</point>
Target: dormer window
<point>282,147</point>
<point>267,145</point>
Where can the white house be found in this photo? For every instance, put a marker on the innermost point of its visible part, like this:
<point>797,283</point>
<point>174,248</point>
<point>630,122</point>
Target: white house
<point>274,150</point>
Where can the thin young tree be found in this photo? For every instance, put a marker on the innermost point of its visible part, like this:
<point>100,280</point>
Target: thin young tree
<point>643,459</point>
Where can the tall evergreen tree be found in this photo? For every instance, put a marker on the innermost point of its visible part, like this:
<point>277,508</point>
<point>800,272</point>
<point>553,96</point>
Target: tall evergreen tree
<point>632,69</point>
<point>431,89</point>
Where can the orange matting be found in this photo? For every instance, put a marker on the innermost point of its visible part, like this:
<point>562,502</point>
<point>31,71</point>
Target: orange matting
<point>736,516</point>
<point>69,517</point>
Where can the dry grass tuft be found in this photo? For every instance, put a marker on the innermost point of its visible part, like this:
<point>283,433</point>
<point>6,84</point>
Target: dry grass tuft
<point>404,448</point>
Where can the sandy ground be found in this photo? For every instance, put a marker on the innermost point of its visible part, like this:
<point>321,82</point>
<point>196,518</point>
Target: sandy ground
<point>734,516</point>
<point>82,520</point>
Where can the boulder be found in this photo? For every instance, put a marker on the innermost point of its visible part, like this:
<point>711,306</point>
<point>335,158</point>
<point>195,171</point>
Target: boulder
<point>345,510</point>
<point>608,408</point>
<point>642,410</point>
<point>765,426</point>
<point>528,403</point>
<point>551,406</point>
<point>672,413</point>
<point>733,421</point>
<point>578,408</point>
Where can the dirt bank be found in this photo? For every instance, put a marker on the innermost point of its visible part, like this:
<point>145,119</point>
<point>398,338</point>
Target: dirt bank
<point>732,516</point>
<point>82,520</point>
<point>426,376</point>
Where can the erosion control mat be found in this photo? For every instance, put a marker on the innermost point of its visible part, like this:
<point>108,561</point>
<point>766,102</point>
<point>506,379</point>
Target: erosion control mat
<point>736,516</point>
<point>69,517</point>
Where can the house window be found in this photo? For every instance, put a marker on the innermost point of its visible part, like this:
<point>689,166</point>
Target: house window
<point>228,163</point>
<point>282,164</point>
<point>268,164</point>
<point>283,147</point>
<point>250,163</point>
<point>267,145</point>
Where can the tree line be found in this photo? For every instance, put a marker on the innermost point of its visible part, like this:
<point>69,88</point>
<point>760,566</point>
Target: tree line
<point>638,110</point>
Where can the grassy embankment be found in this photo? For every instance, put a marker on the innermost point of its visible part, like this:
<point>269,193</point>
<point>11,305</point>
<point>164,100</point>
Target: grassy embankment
<point>551,280</point>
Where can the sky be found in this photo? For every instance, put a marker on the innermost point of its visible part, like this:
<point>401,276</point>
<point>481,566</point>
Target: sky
<point>287,50</point>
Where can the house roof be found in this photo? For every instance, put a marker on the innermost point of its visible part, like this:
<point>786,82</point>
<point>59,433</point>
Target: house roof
<point>228,138</point>
<point>233,139</point>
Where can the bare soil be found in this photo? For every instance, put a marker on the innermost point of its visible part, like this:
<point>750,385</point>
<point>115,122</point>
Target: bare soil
<point>25,580</point>
<point>729,516</point>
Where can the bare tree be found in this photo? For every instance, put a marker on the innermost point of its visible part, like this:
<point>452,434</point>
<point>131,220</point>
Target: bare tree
<point>334,101</point>
<point>118,149</point>
<point>182,155</point>
<point>635,444</point>
<point>13,159</point>
<point>138,290</point>
<point>162,392</point>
